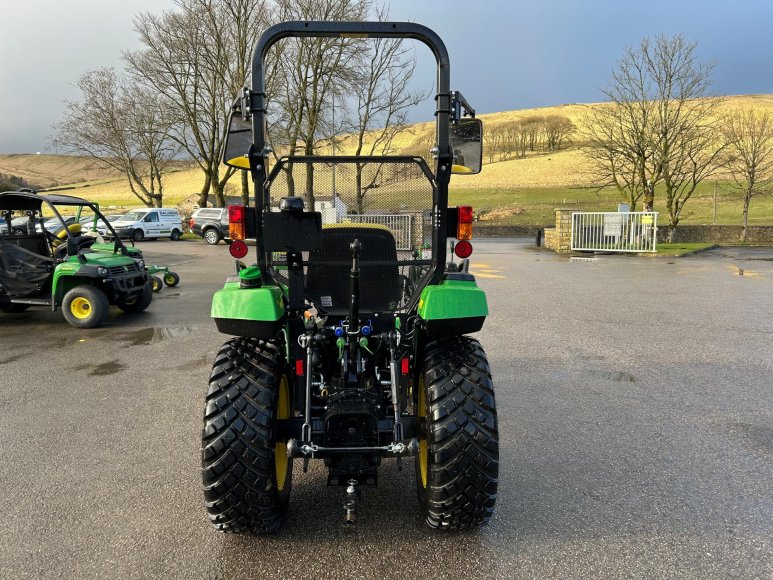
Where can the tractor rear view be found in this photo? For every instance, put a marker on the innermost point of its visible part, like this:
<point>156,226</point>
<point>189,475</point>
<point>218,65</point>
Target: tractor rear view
<point>350,330</point>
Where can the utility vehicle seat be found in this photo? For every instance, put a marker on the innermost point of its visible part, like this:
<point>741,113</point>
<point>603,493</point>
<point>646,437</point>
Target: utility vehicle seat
<point>327,275</point>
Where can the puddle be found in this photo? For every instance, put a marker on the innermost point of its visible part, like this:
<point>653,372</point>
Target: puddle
<point>154,334</point>
<point>756,438</point>
<point>14,358</point>
<point>164,296</point>
<point>102,370</point>
<point>616,376</point>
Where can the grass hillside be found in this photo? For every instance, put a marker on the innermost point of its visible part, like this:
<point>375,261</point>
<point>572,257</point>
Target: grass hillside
<point>516,191</point>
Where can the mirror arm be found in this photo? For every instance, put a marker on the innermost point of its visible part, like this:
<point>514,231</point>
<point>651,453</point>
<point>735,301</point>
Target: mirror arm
<point>458,102</point>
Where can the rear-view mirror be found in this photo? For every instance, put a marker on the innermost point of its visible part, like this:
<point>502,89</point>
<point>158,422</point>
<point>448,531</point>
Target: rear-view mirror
<point>467,146</point>
<point>239,139</point>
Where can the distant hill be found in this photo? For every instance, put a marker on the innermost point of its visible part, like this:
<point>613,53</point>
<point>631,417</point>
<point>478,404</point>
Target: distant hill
<point>557,169</point>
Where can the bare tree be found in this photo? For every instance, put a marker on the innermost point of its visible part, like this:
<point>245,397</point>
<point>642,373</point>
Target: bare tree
<point>382,96</point>
<point>533,126</point>
<point>120,125</point>
<point>492,139</point>
<point>656,128</point>
<point>556,129</point>
<point>196,58</point>
<point>687,144</point>
<point>748,136</point>
<point>308,72</point>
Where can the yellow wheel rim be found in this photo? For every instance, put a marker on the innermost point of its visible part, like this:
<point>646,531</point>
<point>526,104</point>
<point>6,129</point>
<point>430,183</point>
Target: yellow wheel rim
<point>80,308</point>
<point>281,461</point>
<point>423,452</point>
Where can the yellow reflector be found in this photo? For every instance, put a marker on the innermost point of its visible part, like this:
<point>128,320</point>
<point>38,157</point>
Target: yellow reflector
<point>464,232</point>
<point>236,231</point>
<point>241,162</point>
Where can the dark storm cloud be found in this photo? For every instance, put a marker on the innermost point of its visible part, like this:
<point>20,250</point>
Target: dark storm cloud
<point>504,55</point>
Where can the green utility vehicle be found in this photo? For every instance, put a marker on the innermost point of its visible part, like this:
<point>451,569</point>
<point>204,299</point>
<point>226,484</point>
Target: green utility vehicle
<point>81,274</point>
<point>350,328</point>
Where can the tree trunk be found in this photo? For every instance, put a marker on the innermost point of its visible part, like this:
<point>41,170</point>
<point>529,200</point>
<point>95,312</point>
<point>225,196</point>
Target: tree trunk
<point>671,233</point>
<point>310,186</point>
<point>745,231</point>
<point>360,194</point>
<point>204,194</point>
<point>246,187</point>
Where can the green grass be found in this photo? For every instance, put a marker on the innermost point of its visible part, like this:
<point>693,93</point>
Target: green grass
<point>538,204</point>
<point>677,250</point>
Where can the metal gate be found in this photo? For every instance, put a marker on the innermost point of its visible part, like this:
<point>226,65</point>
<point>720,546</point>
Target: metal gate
<point>634,231</point>
<point>401,226</point>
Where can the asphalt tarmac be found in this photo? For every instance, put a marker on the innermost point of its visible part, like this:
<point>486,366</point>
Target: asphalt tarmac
<point>635,401</point>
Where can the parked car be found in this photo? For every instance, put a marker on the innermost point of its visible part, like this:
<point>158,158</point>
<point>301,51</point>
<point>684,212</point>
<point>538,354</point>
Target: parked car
<point>19,225</point>
<point>139,224</point>
<point>211,223</point>
<point>101,227</point>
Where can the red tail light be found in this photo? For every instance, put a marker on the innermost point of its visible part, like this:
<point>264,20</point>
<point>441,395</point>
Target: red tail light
<point>191,223</point>
<point>405,364</point>
<point>464,223</point>
<point>236,226</point>
<point>298,368</point>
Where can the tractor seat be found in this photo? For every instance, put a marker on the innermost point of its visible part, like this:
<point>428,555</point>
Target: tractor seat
<point>60,243</point>
<point>327,274</point>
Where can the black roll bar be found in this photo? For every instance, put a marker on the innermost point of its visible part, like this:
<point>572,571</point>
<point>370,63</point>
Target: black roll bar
<point>333,29</point>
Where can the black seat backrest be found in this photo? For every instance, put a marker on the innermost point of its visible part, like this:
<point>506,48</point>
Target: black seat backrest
<point>327,275</point>
<point>36,243</point>
<point>23,271</point>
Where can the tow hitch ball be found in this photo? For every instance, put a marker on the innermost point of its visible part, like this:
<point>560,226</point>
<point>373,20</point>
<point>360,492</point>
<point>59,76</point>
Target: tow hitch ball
<point>350,506</point>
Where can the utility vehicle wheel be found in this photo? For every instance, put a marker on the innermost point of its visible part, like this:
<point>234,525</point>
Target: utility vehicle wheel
<point>85,306</point>
<point>175,235</point>
<point>156,283</point>
<point>212,236</point>
<point>14,308</point>
<point>138,235</point>
<point>457,467</point>
<point>140,303</point>
<point>171,279</point>
<point>247,475</point>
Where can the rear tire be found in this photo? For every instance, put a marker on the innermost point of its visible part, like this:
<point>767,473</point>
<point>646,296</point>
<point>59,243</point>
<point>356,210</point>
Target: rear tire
<point>171,279</point>
<point>140,303</point>
<point>85,306</point>
<point>245,470</point>
<point>156,283</point>
<point>175,235</point>
<point>457,467</point>
<point>212,236</point>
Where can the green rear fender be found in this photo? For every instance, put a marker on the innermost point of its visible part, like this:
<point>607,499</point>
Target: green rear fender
<point>254,312</point>
<point>453,307</point>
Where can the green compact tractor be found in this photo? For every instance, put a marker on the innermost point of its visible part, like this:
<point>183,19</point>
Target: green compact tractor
<point>70,270</point>
<point>350,330</point>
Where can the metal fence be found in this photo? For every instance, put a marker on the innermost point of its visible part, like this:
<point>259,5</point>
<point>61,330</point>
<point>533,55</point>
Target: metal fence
<point>401,226</point>
<point>634,231</point>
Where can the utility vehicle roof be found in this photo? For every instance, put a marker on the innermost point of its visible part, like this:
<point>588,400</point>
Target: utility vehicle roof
<point>23,200</point>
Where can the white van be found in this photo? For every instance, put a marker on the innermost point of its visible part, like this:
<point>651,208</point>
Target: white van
<point>139,224</point>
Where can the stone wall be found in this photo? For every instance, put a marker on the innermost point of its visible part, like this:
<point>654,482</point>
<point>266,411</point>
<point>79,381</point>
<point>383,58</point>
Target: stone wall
<point>551,240</point>
<point>717,234</point>
<point>481,230</point>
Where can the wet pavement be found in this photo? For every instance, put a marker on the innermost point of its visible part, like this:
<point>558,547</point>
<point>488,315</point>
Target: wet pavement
<point>635,404</point>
